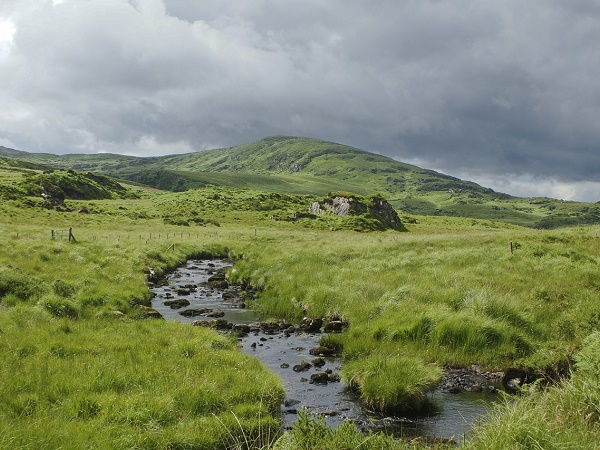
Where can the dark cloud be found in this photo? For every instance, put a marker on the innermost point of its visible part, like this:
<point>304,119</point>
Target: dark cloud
<point>497,92</point>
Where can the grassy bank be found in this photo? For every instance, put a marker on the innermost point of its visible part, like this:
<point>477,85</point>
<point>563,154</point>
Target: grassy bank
<point>118,384</point>
<point>564,416</point>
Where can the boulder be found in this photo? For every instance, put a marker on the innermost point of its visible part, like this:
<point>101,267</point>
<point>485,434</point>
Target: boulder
<point>319,378</point>
<point>310,325</point>
<point>345,205</point>
<point>302,367</point>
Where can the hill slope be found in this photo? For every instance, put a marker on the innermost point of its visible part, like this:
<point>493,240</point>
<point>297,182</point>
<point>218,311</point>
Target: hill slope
<point>309,166</point>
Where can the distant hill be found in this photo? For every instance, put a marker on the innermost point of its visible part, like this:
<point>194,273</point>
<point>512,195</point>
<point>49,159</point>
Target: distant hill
<point>9,151</point>
<point>297,165</point>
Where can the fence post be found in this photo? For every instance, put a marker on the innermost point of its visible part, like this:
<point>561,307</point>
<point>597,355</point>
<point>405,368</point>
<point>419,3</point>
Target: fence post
<point>52,234</point>
<point>71,235</point>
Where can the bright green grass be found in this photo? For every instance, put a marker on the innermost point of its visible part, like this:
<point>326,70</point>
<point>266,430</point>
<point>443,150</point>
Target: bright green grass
<point>452,298</point>
<point>311,433</point>
<point>447,292</point>
<point>564,416</point>
<point>119,384</point>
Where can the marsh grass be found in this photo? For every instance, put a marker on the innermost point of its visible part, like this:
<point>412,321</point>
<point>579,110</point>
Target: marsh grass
<point>392,383</point>
<point>147,384</point>
<point>566,415</point>
<point>448,292</point>
<point>311,433</point>
<point>455,298</point>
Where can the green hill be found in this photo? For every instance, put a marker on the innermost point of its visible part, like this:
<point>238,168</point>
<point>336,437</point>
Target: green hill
<point>294,165</point>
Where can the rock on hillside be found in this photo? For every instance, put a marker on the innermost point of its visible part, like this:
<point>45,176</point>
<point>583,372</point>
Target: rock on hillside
<point>346,205</point>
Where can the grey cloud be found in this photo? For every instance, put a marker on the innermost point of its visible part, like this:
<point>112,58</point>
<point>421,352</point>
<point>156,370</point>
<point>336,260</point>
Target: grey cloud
<point>504,88</point>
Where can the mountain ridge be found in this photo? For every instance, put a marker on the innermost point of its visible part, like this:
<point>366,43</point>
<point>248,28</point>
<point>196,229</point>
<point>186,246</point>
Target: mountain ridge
<point>297,165</point>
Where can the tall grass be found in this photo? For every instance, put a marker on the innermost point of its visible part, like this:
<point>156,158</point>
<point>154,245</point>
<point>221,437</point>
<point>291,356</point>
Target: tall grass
<point>116,384</point>
<point>311,433</point>
<point>455,298</point>
<point>563,416</point>
<point>448,292</point>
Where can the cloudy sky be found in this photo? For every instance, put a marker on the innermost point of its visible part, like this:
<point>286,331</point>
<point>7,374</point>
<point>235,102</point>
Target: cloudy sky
<point>504,93</point>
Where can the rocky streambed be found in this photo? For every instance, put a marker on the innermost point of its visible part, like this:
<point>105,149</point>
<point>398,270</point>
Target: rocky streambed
<point>199,294</point>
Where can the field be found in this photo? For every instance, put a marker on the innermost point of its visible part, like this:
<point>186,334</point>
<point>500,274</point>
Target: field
<point>83,366</point>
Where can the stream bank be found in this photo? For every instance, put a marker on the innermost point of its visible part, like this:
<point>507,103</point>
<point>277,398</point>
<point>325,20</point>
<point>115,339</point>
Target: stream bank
<point>199,294</point>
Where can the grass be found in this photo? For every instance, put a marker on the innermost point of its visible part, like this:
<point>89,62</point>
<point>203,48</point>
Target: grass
<point>452,299</point>
<point>563,416</point>
<point>311,433</point>
<point>120,384</point>
<point>448,292</point>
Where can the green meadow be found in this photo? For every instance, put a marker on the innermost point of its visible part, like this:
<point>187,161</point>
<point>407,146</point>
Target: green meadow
<point>84,365</point>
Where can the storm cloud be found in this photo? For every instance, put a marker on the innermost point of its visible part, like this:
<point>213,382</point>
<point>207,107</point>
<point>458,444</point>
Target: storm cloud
<point>503,93</point>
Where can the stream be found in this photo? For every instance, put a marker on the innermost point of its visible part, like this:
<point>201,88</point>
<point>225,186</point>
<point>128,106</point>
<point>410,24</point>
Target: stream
<point>189,291</point>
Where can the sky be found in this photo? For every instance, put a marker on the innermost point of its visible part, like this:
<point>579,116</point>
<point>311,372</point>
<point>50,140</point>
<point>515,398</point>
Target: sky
<point>503,93</point>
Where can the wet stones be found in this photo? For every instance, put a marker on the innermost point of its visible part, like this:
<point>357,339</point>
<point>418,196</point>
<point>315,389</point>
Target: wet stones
<point>218,281</point>
<point>205,312</point>
<point>177,304</point>
<point>324,377</point>
<point>318,362</point>
<point>186,290</point>
<point>322,351</point>
<point>273,327</point>
<point>302,367</point>
<point>241,330</point>
<point>319,378</point>
<point>513,380</point>
<point>310,325</point>
<point>470,379</point>
<point>215,324</point>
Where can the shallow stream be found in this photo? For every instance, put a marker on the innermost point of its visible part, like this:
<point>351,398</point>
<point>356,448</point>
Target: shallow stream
<point>280,352</point>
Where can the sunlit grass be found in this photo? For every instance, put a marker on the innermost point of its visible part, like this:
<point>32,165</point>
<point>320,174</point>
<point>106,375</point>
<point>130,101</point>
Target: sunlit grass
<point>447,292</point>
<point>145,384</point>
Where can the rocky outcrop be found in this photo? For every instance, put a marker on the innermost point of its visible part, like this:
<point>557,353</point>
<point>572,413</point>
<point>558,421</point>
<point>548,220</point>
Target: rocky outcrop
<point>345,205</point>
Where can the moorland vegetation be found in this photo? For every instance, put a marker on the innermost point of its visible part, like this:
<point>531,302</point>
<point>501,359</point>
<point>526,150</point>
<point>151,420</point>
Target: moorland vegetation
<point>85,366</point>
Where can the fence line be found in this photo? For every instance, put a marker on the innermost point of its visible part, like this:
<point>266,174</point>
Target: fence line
<point>63,234</point>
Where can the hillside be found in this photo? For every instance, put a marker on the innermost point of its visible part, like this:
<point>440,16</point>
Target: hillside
<point>295,165</point>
